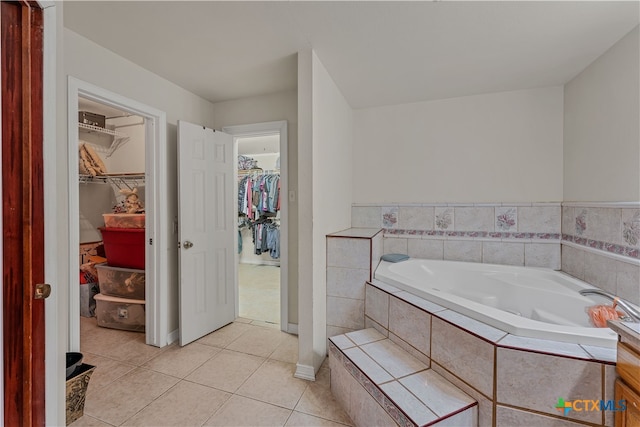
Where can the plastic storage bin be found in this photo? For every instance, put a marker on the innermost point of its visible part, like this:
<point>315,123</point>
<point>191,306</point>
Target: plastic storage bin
<point>123,220</point>
<point>120,313</point>
<point>124,247</point>
<point>121,282</point>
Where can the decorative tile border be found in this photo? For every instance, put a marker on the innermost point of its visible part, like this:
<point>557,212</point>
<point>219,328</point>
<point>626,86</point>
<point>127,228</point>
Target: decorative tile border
<point>603,246</point>
<point>383,400</point>
<point>473,234</point>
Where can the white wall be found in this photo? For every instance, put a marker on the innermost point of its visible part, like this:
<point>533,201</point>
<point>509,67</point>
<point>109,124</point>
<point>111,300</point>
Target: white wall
<point>94,64</point>
<point>130,156</point>
<point>498,147</point>
<point>325,158</point>
<point>332,178</point>
<point>306,314</point>
<point>602,130</point>
<point>268,108</point>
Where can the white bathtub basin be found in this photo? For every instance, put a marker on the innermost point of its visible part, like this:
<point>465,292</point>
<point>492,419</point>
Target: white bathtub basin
<point>523,301</point>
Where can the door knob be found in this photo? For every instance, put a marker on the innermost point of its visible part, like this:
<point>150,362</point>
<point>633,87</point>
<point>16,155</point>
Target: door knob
<point>43,290</point>
<point>187,244</point>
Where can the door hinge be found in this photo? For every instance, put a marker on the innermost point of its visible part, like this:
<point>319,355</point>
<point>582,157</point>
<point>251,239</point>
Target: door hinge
<point>151,241</point>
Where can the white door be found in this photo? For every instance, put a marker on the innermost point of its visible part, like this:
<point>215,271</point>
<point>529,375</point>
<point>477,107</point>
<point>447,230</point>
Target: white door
<point>205,230</point>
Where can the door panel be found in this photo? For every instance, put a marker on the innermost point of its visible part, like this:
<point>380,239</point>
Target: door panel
<point>22,213</point>
<point>205,185</point>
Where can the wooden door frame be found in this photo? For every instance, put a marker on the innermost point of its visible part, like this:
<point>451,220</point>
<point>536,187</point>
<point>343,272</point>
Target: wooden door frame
<point>23,344</point>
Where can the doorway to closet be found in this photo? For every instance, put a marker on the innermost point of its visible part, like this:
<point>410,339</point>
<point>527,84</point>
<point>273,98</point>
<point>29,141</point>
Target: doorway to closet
<point>116,147</point>
<point>111,195</point>
<point>262,199</point>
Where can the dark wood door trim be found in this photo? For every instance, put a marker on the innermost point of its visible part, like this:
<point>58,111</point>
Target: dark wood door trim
<point>21,26</point>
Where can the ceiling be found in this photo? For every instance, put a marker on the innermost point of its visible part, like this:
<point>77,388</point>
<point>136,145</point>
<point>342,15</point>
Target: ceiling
<point>378,53</point>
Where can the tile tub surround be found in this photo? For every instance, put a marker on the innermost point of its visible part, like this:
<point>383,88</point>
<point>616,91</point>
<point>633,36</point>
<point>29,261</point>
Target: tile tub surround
<point>498,369</point>
<point>378,383</point>
<point>352,256</point>
<point>500,233</point>
<point>601,245</point>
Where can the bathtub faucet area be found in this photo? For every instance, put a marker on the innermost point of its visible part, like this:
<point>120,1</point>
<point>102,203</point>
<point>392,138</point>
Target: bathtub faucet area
<point>625,306</point>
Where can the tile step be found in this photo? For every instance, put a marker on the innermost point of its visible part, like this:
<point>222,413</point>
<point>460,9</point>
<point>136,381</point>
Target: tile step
<point>409,391</point>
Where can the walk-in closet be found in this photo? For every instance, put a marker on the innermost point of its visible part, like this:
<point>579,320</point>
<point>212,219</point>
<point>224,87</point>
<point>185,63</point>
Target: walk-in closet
<point>111,220</point>
<point>259,205</point>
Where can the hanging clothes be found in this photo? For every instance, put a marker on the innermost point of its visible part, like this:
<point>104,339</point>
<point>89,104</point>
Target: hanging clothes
<point>266,238</point>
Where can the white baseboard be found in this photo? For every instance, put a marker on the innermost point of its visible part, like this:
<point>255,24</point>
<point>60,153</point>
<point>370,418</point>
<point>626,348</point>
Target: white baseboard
<point>292,328</point>
<point>305,372</point>
<point>173,336</point>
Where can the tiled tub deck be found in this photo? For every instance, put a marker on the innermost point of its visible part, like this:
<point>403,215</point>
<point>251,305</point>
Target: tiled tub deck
<point>515,380</point>
<point>378,383</point>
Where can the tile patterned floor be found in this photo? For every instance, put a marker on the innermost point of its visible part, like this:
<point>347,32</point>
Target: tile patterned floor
<point>240,375</point>
<point>259,292</point>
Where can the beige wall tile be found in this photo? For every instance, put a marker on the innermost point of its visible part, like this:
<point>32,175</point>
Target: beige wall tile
<point>610,376</point>
<point>369,323</point>
<point>395,245</point>
<point>600,271</point>
<point>514,417</point>
<point>503,253</point>
<point>628,281</point>
<point>341,384</point>
<point>410,349</point>
<point>425,248</point>
<point>346,282</point>
<point>366,411</point>
<point>377,305</point>
<point>415,217</point>
<point>485,405</point>
<point>463,354</point>
<point>604,224</point>
<point>345,312</point>
<point>546,255</point>
<point>539,219</point>
<point>572,261</point>
<point>525,379</point>
<point>474,218</point>
<point>410,323</point>
<point>463,250</point>
<point>569,220</point>
<point>348,253</point>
